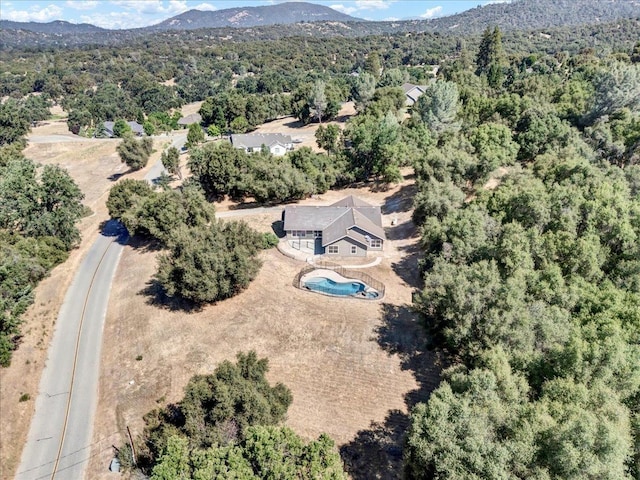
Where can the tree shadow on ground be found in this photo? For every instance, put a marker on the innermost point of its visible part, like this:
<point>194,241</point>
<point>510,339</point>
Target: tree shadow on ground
<point>157,296</point>
<point>400,201</point>
<point>115,176</point>
<point>407,267</point>
<point>376,453</point>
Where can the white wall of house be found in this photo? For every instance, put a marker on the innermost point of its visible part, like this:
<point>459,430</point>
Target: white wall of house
<point>278,150</point>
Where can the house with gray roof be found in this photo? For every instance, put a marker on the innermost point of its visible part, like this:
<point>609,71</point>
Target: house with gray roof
<point>189,119</point>
<point>413,93</point>
<point>277,143</point>
<point>136,129</point>
<point>350,227</point>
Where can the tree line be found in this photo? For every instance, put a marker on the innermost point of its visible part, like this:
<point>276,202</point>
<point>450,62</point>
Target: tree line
<point>532,282</point>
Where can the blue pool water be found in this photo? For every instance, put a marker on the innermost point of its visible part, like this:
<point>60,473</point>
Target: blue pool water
<point>345,289</point>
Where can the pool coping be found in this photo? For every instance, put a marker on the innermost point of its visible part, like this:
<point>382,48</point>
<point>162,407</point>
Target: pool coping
<point>336,277</point>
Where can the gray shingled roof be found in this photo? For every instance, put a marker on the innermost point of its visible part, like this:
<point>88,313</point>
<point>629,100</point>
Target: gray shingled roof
<point>189,119</point>
<point>256,140</point>
<point>342,227</point>
<point>336,221</point>
<point>413,92</point>
<point>135,127</point>
<point>351,201</point>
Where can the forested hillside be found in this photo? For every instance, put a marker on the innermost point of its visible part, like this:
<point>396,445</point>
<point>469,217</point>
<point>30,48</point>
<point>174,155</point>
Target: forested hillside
<point>310,20</point>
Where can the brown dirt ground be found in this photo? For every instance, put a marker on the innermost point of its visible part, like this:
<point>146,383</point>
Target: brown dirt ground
<point>94,164</point>
<point>351,364</point>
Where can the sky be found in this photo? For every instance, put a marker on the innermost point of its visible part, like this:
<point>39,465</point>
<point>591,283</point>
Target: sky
<point>116,14</point>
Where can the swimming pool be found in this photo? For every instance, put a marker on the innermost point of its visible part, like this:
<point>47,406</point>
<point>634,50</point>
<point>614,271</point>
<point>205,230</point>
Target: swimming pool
<point>344,289</point>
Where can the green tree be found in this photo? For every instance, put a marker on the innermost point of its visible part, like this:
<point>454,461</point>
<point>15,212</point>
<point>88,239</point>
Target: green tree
<point>372,64</point>
<point>494,147</point>
<point>438,106</point>
<point>214,130</point>
<point>616,88</point>
<point>135,153</point>
<point>121,128</point>
<point>170,159</point>
<point>327,137</point>
<point>477,424</point>
<point>363,90</point>
<point>266,453</point>
<point>218,409</point>
<point>195,135</point>
<point>125,195</point>
<point>13,123</point>
<point>205,265</point>
<point>490,58</point>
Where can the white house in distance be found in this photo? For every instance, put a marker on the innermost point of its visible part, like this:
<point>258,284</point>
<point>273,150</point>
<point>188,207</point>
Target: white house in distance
<point>350,227</point>
<point>277,143</point>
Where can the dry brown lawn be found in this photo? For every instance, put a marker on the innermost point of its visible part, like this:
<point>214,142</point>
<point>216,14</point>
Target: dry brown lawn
<point>354,366</point>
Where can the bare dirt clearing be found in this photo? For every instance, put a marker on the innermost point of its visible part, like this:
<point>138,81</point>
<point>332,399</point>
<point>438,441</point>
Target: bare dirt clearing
<point>351,364</point>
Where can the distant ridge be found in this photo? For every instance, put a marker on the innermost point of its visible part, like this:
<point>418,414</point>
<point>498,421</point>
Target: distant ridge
<point>312,20</point>
<point>57,27</point>
<point>281,13</point>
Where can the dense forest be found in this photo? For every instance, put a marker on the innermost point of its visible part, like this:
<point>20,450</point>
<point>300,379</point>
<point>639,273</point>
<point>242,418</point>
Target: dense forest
<point>526,151</point>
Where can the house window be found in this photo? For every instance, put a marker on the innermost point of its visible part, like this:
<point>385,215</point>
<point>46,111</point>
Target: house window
<point>333,249</point>
<point>317,233</point>
<point>354,249</point>
<point>297,233</point>
<point>375,243</point>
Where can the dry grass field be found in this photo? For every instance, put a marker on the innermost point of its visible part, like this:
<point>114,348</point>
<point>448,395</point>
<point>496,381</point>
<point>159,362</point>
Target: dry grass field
<point>351,364</point>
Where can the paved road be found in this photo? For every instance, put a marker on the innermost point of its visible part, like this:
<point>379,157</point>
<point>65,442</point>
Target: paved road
<point>58,444</point>
<point>70,377</point>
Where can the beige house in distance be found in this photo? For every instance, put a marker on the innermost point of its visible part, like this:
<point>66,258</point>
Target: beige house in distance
<point>350,227</point>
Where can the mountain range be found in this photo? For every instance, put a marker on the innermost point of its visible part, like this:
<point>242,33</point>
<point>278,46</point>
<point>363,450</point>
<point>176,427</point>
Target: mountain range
<point>281,13</point>
<point>310,19</point>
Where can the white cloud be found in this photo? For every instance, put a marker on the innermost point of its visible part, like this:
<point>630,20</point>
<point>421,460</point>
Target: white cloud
<point>432,12</point>
<point>360,5</point>
<point>205,7</point>
<point>114,20</point>
<point>373,4</point>
<point>153,7</point>
<point>343,9</point>
<point>34,14</point>
<point>82,4</point>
